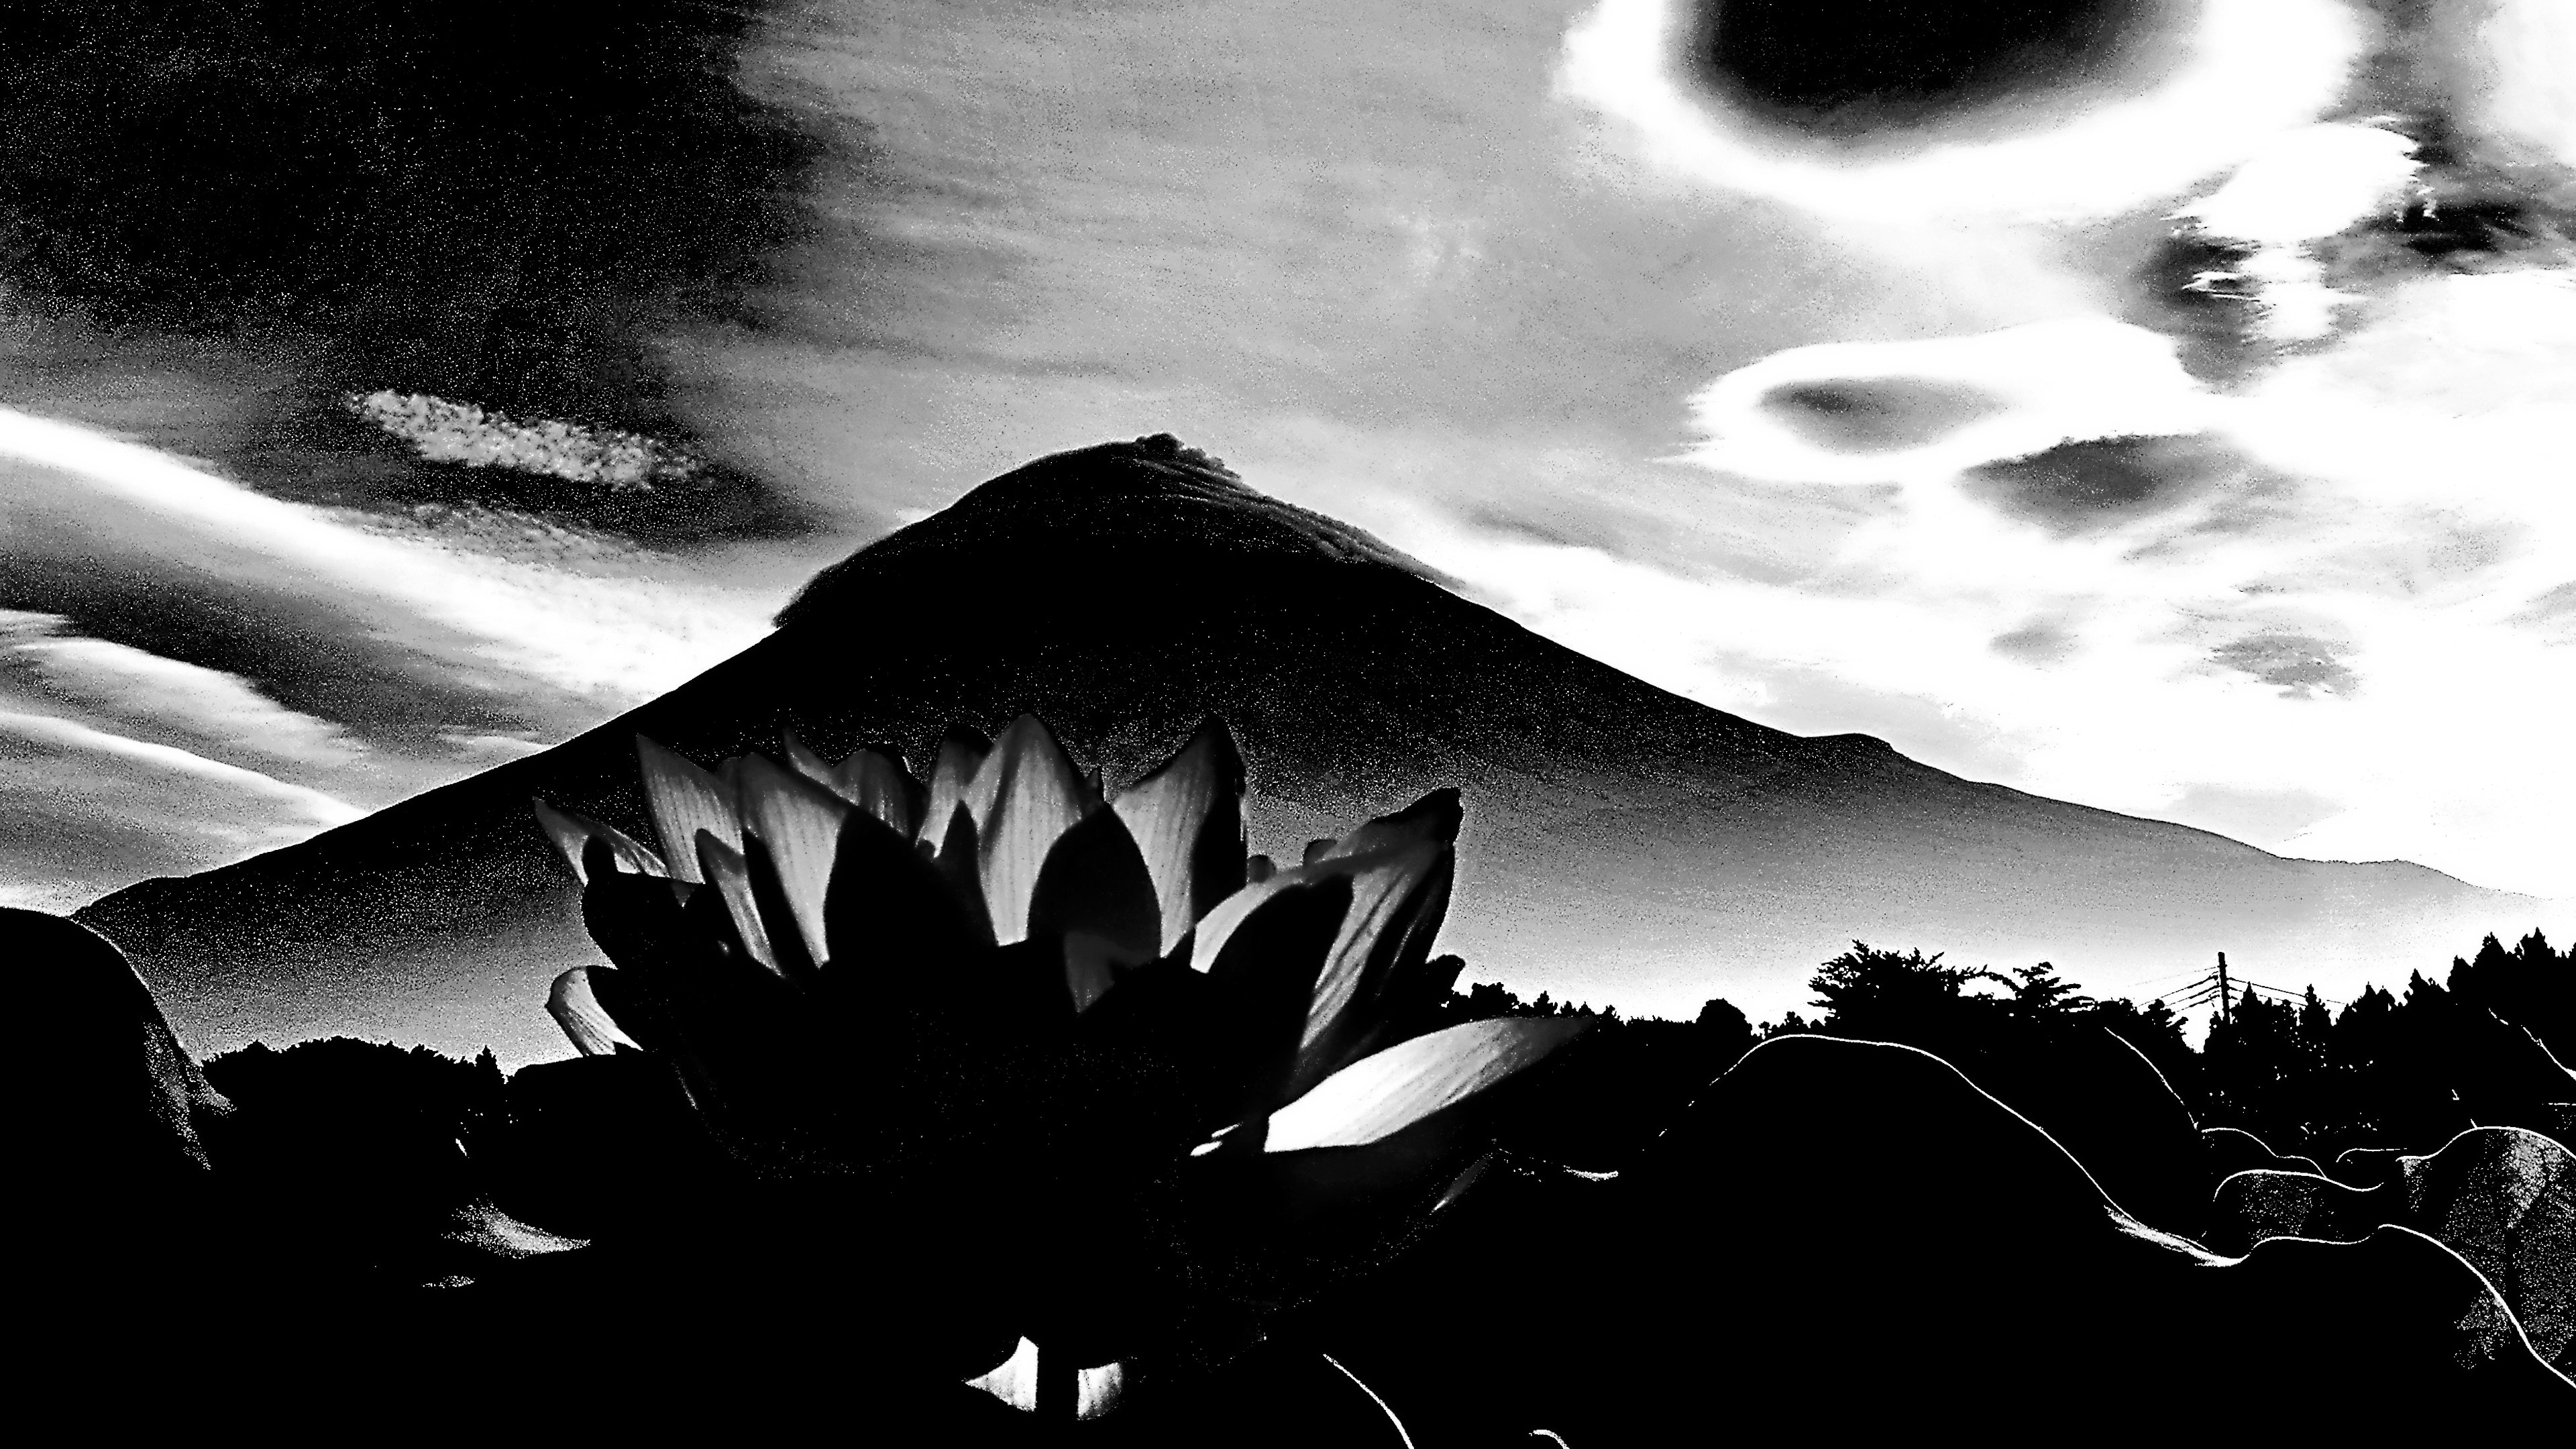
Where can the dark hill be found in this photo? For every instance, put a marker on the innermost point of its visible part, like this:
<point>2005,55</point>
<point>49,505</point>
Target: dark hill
<point>1622,842</point>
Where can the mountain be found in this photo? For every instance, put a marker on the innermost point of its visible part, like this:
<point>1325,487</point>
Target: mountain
<point>1622,843</point>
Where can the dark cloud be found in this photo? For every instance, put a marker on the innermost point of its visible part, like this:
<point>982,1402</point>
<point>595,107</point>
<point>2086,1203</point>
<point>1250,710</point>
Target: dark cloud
<point>2300,664</point>
<point>2172,291</point>
<point>2036,643</point>
<point>506,204</point>
<point>1851,69</point>
<point>2079,487</point>
<point>1875,415</point>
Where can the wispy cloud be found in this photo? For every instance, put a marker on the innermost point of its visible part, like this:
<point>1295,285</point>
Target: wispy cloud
<point>162,695</point>
<point>511,603</point>
<point>87,809</point>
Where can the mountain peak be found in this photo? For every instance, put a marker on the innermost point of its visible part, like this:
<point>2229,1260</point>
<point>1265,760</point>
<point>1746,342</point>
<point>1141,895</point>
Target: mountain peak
<point>1152,494</point>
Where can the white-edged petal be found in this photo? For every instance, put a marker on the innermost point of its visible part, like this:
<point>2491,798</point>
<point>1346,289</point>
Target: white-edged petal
<point>953,774</point>
<point>807,763</point>
<point>1096,1391</point>
<point>572,834</point>
<point>575,1008</point>
<point>1168,812</point>
<point>1016,1381</point>
<point>725,869</point>
<point>1382,1094</point>
<point>1391,895</point>
<point>1208,937</point>
<point>880,785</point>
<point>800,822</point>
<point>684,800</point>
<point>1036,796</point>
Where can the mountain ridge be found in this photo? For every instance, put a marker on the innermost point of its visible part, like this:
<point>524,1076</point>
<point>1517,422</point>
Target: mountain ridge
<point>1622,841</point>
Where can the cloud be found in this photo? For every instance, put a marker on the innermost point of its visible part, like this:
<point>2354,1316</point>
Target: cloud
<point>2262,817</point>
<point>1955,402</point>
<point>2301,187</point>
<point>2099,483</point>
<point>2506,64</point>
<point>2299,664</point>
<point>507,604</point>
<point>2239,72</point>
<point>156,694</point>
<point>453,432</point>
<point>89,810</point>
<point>2105,685</point>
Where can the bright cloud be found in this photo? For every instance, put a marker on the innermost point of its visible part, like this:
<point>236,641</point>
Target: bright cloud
<point>2508,63</point>
<point>2022,389</point>
<point>2303,186</point>
<point>2247,70</point>
<point>2281,611</point>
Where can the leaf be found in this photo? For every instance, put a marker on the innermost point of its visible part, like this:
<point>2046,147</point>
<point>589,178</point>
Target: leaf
<point>1380,1095</point>
<point>722,867</point>
<point>685,800</point>
<point>1037,796</point>
<point>800,823</point>
<point>2504,1198</point>
<point>1187,818</point>
<point>575,1008</point>
<point>962,753</point>
<point>572,834</point>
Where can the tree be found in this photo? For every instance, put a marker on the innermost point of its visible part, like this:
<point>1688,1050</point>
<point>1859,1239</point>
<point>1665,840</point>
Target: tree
<point>2038,994</point>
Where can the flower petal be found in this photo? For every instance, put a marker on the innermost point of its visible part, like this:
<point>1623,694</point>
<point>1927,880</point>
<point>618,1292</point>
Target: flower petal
<point>800,823</point>
<point>1096,1391</point>
<point>724,868</point>
<point>1037,796</point>
<point>1435,817</point>
<point>1016,1381</point>
<point>575,1008</point>
<point>1398,899</point>
<point>1380,1095</point>
<point>962,753</point>
<point>888,908</point>
<point>1187,818</point>
<point>572,833</point>
<point>807,763</point>
<point>1262,981</point>
<point>877,782</point>
<point>685,800</point>
<point>1095,882</point>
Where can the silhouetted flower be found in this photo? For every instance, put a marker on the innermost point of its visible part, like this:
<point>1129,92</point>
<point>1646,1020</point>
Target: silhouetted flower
<point>1101,1009</point>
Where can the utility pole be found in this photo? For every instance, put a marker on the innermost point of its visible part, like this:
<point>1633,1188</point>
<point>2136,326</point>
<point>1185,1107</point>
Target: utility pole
<point>2225,1006</point>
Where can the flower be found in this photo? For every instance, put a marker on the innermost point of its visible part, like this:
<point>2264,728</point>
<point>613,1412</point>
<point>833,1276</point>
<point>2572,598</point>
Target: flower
<point>998,986</point>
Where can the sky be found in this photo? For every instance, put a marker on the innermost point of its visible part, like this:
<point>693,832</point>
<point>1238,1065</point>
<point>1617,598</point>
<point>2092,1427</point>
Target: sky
<point>2164,410</point>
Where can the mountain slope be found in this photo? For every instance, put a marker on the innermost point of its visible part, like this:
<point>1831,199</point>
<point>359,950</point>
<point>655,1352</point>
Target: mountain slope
<point>1622,842</point>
